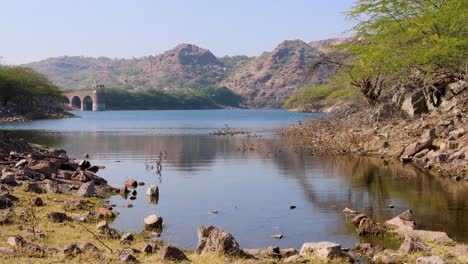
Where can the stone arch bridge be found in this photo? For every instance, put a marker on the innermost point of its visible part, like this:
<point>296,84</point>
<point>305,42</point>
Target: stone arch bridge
<point>87,101</point>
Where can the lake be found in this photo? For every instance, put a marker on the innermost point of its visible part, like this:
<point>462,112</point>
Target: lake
<point>249,180</point>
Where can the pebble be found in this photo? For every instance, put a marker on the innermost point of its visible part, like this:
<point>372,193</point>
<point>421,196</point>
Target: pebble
<point>278,236</point>
<point>292,207</point>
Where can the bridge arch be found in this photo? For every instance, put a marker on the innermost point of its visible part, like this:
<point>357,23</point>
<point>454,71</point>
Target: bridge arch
<point>87,103</point>
<point>76,102</point>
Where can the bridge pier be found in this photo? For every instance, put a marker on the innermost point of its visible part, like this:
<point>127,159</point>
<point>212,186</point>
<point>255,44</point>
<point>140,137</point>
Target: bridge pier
<point>97,97</point>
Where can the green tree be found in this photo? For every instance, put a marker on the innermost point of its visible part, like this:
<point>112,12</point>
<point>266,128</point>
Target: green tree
<point>23,88</point>
<point>397,38</point>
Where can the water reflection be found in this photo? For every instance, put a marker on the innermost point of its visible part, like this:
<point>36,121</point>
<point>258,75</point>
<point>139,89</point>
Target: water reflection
<point>252,181</point>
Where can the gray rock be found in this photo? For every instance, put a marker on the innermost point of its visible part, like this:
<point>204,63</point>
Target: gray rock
<point>5,202</point>
<point>402,221</point>
<point>127,237</point>
<point>387,258</point>
<point>86,189</point>
<point>57,217</point>
<point>147,248</point>
<point>455,88</point>
<point>153,190</point>
<point>212,239</point>
<point>21,163</point>
<point>321,249</point>
<point>411,245</point>
<point>102,226</point>
<point>430,260</point>
<point>287,252</point>
<point>429,134</point>
<point>16,241</point>
<point>153,221</point>
<point>414,103</point>
<point>293,259</point>
<point>8,177</point>
<point>172,253</point>
<point>126,257</point>
<point>37,201</point>
<point>349,212</point>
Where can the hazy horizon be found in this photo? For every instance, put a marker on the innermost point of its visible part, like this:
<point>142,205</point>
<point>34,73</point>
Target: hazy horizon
<point>37,30</point>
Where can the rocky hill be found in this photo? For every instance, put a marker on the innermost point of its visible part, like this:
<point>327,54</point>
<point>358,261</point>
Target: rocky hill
<point>264,81</point>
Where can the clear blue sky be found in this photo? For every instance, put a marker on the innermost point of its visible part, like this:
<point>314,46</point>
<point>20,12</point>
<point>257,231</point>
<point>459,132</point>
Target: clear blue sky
<point>31,30</point>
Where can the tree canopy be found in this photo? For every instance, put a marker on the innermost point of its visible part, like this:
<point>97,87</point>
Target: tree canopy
<point>394,35</point>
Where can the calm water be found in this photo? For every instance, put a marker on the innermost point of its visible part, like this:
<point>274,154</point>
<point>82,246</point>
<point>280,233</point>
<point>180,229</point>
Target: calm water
<point>250,181</point>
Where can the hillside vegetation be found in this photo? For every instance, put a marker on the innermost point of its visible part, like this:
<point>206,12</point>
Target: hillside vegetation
<point>208,97</point>
<point>27,93</point>
<point>264,81</point>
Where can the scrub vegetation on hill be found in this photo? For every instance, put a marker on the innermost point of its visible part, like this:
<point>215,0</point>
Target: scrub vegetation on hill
<point>25,92</point>
<point>204,98</point>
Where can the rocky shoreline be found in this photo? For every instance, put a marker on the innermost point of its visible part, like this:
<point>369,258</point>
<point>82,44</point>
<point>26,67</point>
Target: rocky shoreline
<point>8,114</point>
<point>436,141</point>
<point>55,209</point>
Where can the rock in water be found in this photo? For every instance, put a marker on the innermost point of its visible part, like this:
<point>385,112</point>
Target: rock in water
<point>153,190</point>
<point>87,189</point>
<point>84,164</point>
<point>212,239</point>
<point>172,254</point>
<point>403,220</point>
<point>93,169</point>
<point>321,249</point>
<point>131,183</point>
<point>153,221</point>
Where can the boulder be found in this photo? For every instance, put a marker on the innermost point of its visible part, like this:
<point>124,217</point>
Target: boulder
<point>412,244</point>
<point>349,212</point>
<point>321,249</point>
<point>57,217</point>
<point>436,236</point>
<point>172,253</point>
<point>153,190</point>
<point>357,219</point>
<point>147,248</point>
<point>457,133</point>
<point>93,169</point>
<point>104,212</point>
<point>414,148</point>
<point>212,239</point>
<point>430,260</point>
<point>102,226</point>
<point>402,221</point>
<point>37,201</point>
<point>126,257</point>
<point>84,164</point>
<point>293,259</point>
<point>48,168</point>
<point>127,237</point>
<point>8,177</point>
<point>131,183</point>
<point>414,103</point>
<point>387,258</point>
<point>21,163</point>
<point>429,134</point>
<point>287,252</point>
<point>86,189</point>
<point>368,227</point>
<point>153,221</point>
<point>5,202</point>
<point>16,241</point>
<point>455,88</point>
<point>86,176</point>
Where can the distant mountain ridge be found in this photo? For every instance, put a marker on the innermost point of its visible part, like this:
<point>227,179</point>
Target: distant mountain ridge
<point>264,81</point>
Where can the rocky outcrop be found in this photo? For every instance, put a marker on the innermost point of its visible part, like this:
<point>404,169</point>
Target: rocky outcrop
<point>212,239</point>
<point>321,249</point>
<point>172,253</point>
